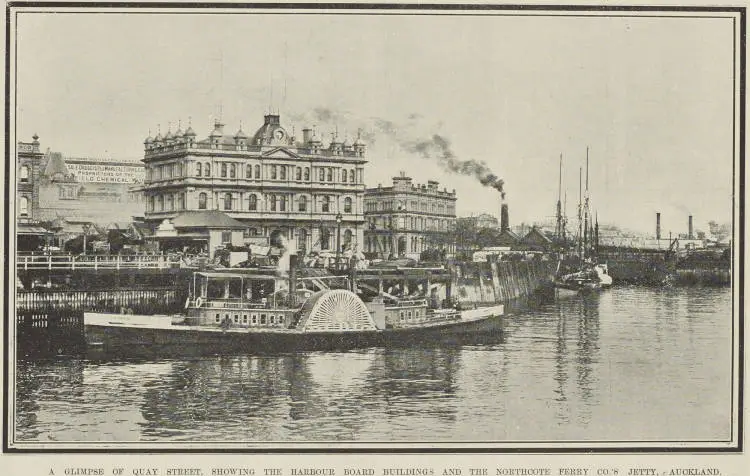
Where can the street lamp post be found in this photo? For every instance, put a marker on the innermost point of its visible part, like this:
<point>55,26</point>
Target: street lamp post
<point>338,239</point>
<point>86,228</point>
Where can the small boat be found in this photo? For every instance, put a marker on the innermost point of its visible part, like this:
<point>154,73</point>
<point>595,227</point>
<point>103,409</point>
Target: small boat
<point>254,311</point>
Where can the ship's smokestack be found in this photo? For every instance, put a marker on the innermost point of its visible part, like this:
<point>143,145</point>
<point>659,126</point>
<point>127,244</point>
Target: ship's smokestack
<point>504,220</point>
<point>690,227</point>
<point>658,226</point>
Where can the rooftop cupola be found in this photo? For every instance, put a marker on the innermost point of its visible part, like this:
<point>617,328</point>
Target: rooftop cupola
<point>148,140</point>
<point>158,138</point>
<point>359,146</point>
<point>216,134</point>
<point>240,139</point>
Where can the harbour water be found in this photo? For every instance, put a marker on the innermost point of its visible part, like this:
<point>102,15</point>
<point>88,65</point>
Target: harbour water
<point>632,364</point>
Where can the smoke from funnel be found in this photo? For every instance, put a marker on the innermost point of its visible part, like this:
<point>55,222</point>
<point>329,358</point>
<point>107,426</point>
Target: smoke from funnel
<point>438,147</point>
<point>411,135</point>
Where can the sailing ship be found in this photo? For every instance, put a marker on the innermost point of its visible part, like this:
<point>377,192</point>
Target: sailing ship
<point>268,310</point>
<point>586,274</point>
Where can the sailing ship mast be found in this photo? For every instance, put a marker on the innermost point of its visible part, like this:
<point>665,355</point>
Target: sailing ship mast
<point>586,211</point>
<point>560,227</point>
<point>580,216</point>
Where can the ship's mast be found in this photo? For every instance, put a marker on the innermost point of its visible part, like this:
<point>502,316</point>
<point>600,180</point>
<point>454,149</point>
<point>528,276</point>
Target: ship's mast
<point>580,214</point>
<point>559,231</point>
<point>586,209</point>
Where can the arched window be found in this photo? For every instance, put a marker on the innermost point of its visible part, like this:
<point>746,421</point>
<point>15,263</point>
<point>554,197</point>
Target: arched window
<point>272,199</point>
<point>249,172</point>
<point>307,174</point>
<point>198,169</point>
<point>282,172</point>
<point>170,202</point>
<point>274,172</point>
<point>347,239</point>
<point>352,177</point>
<point>282,202</point>
<point>232,171</point>
<point>257,171</point>
<point>326,204</point>
<point>161,203</point>
<point>24,174</point>
<point>227,201</point>
<point>299,174</point>
<point>343,176</point>
<point>23,206</point>
<point>223,169</point>
<point>207,169</point>
<point>252,203</point>
<point>202,199</point>
<point>347,205</point>
<point>302,203</point>
<point>322,174</point>
<point>330,175</point>
<point>151,203</point>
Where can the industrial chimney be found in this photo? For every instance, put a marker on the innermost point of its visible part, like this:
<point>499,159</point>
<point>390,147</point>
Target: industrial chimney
<point>658,226</point>
<point>690,227</point>
<point>504,220</point>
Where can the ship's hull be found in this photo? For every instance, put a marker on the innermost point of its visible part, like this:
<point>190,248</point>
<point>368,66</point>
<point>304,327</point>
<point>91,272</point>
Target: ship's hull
<point>139,340</point>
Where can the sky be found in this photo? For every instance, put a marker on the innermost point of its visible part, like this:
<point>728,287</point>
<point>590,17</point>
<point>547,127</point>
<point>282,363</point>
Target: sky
<point>651,98</point>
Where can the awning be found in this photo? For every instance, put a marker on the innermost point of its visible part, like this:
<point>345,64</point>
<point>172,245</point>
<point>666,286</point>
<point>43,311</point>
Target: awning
<point>32,230</point>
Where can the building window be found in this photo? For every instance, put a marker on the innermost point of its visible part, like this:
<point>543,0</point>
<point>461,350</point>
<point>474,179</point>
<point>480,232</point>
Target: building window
<point>326,204</point>
<point>151,203</point>
<point>170,202</point>
<point>207,169</point>
<point>198,169</point>
<point>282,202</point>
<point>232,171</point>
<point>161,203</point>
<point>330,175</point>
<point>325,239</point>
<point>347,205</point>
<point>24,174</point>
<point>343,176</point>
<point>307,174</point>
<point>168,171</point>
<point>226,236</point>
<point>282,172</point>
<point>274,172</point>
<point>257,171</point>
<point>322,174</point>
<point>272,199</point>
<point>223,170</point>
<point>252,203</point>
<point>301,239</point>
<point>227,201</point>
<point>202,199</point>
<point>302,204</point>
<point>181,201</point>
<point>299,174</point>
<point>249,172</point>
<point>352,177</point>
<point>347,239</point>
<point>23,206</point>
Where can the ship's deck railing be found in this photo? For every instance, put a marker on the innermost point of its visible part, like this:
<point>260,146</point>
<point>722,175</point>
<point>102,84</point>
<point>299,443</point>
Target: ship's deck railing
<point>71,262</point>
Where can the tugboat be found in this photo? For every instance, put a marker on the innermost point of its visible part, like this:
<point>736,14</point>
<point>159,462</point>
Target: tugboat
<point>266,310</point>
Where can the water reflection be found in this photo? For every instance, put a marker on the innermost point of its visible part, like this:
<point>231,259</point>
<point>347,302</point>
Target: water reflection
<point>647,364</point>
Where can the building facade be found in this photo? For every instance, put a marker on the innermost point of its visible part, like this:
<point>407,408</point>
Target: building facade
<point>281,187</point>
<point>407,219</point>
<point>29,164</point>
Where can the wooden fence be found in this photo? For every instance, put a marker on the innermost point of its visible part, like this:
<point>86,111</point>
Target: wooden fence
<point>162,300</point>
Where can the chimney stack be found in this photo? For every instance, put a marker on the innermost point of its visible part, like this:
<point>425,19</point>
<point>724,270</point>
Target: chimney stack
<point>690,227</point>
<point>658,226</point>
<point>306,135</point>
<point>504,220</point>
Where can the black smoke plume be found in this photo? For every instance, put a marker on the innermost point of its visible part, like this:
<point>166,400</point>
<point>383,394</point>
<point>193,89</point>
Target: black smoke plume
<point>438,148</point>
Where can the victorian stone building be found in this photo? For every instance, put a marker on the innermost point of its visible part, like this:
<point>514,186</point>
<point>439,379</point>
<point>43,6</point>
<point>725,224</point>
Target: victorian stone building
<point>407,218</point>
<point>277,185</point>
